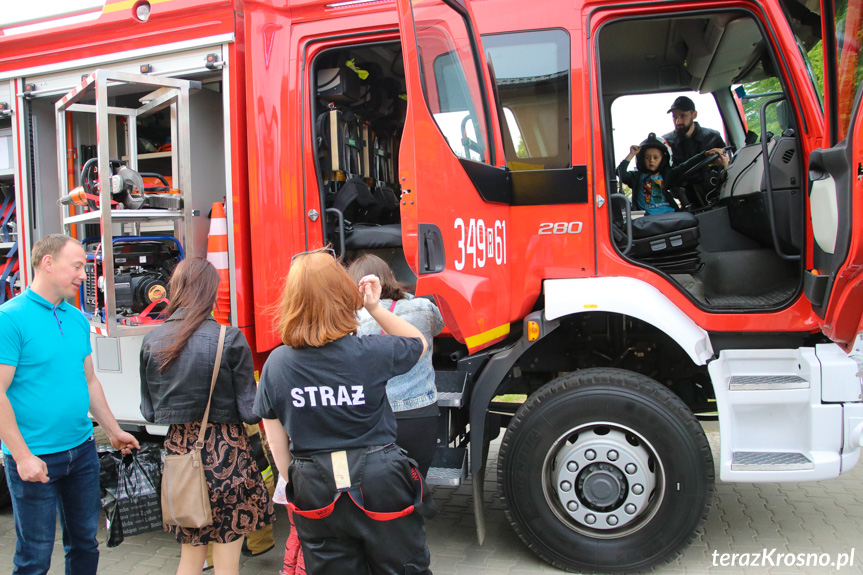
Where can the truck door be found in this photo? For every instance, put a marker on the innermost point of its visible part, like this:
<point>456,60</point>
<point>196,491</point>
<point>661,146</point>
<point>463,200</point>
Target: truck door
<point>455,187</point>
<point>835,285</point>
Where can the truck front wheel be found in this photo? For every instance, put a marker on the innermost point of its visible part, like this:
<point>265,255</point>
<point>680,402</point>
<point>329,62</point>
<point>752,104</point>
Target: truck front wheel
<point>607,470</point>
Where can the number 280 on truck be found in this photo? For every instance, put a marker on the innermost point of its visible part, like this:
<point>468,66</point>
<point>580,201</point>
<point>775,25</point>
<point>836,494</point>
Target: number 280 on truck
<point>473,145</point>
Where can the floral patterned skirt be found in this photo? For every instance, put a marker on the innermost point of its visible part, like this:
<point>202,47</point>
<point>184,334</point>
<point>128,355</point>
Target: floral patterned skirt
<point>239,498</point>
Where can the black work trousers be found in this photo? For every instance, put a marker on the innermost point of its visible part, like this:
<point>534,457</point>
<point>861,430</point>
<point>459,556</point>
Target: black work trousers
<point>418,436</point>
<point>348,541</point>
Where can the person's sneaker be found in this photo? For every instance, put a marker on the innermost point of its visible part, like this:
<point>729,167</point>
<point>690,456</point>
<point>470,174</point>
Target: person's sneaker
<point>248,552</point>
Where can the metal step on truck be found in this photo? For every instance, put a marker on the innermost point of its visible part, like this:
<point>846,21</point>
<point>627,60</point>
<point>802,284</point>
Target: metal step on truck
<point>473,145</point>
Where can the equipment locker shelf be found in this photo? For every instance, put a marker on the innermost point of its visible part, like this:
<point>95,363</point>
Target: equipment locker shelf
<point>8,217</point>
<point>125,216</point>
<point>95,95</point>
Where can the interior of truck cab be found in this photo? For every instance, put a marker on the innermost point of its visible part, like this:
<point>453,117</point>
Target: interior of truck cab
<point>358,109</point>
<point>735,237</point>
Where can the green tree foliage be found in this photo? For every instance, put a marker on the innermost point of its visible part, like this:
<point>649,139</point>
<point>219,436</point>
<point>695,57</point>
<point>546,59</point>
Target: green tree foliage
<point>521,150</point>
<point>752,101</point>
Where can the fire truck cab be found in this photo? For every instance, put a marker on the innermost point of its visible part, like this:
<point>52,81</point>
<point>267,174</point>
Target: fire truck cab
<point>474,145</point>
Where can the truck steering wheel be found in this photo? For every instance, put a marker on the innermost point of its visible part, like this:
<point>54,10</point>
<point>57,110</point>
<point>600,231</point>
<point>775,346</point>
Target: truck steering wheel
<point>694,170</point>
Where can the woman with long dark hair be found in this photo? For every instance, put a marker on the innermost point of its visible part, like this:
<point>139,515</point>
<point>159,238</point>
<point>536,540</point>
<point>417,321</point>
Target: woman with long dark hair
<point>352,490</point>
<point>177,361</point>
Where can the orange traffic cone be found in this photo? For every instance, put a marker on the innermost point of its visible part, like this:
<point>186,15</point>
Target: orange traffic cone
<point>217,254</point>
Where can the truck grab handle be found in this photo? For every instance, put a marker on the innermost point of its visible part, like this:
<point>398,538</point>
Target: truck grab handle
<point>628,210</point>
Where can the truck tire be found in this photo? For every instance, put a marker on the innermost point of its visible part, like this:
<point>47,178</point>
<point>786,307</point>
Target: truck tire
<point>5,496</point>
<point>605,470</point>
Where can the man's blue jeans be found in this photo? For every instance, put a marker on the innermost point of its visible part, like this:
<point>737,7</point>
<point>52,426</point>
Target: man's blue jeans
<point>73,491</point>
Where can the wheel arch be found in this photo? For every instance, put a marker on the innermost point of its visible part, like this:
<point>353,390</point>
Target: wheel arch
<point>631,297</point>
<point>565,297</point>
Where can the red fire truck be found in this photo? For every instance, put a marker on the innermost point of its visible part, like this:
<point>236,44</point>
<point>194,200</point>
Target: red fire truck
<point>472,146</point>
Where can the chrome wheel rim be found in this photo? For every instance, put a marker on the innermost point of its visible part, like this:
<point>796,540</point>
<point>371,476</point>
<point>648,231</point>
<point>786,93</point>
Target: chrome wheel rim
<point>603,480</point>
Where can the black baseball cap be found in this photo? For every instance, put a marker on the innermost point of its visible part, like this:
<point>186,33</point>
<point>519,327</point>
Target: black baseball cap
<point>683,104</point>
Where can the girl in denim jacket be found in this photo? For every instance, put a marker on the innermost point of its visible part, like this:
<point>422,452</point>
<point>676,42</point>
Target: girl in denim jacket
<point>413,395</point>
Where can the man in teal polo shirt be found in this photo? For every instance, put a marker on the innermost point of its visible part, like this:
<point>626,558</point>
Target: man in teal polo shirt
<point>47,386</point>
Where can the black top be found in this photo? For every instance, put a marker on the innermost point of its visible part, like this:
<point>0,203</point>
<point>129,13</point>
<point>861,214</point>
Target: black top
<point>179,394</point>
<point>668,176</point>
<point>702,139</point>
<point>333,397</point>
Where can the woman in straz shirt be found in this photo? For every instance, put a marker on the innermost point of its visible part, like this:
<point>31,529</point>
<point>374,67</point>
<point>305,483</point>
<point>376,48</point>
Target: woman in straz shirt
<point>355,496</point>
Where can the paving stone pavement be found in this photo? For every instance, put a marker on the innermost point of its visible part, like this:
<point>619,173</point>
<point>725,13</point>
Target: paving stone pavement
<point>820,517</point>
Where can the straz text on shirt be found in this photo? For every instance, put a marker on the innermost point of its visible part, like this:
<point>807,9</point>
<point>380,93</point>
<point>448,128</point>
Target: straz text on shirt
<point>324,396</point>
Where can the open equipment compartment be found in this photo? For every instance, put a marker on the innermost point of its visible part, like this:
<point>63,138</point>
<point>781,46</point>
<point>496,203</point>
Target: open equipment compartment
<point>114,222</point>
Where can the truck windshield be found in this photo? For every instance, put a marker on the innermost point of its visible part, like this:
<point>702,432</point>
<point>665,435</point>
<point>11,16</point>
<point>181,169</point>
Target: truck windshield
<point>806,25</point>
<point>532,74</point>
<point>848,21</point>
<point>452,84</point>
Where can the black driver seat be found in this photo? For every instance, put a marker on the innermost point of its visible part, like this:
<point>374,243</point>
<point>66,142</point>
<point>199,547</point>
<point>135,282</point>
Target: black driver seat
<point>668,242</point>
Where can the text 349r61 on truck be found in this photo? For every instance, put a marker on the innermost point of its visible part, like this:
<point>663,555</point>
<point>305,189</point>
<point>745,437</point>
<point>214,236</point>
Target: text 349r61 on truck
<point>470,143</point>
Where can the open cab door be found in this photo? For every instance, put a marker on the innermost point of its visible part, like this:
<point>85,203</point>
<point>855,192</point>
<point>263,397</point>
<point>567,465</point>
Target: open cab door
<point>835,284</point>
<point>455,187</point>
